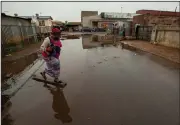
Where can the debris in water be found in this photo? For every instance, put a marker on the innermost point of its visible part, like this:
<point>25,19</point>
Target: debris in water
<point>99,62</point>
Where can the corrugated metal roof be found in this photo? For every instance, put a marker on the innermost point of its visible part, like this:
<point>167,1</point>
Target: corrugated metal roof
<point>57,22</point>
<point>3,14</point>
<point>45,17</point>
<point>39,17</point>
<point>74,23</point>
<point>26,17</point>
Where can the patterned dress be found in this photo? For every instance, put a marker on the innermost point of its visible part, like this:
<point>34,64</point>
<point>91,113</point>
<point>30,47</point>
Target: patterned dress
<point>52,59</point>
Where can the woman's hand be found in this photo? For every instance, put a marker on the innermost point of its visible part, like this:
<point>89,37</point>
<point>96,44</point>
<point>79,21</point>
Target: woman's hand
<point>49,49</point>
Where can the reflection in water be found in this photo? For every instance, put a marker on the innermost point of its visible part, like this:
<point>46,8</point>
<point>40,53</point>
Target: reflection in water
<point>4,101</point>
<point>8,120</point>
<point>60,105</point>
<point>92,41</point>
<point>95,38</point>
<point>5,106</point>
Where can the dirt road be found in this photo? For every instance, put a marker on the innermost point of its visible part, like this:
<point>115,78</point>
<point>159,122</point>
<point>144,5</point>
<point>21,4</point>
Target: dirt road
<point>106,86</point>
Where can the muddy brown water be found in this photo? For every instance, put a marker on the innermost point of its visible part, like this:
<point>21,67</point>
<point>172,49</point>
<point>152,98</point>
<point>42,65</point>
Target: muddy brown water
<point>105,86</point>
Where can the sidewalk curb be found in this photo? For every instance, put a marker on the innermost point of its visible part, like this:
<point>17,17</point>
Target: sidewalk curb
<point>22,79</point>
<point>130,47</point>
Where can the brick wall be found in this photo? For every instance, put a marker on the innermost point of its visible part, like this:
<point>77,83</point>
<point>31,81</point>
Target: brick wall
<point>158,20</point>
<point>158,13</point>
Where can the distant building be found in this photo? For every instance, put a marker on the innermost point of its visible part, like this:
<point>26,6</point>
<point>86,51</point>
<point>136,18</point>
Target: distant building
<point>107,19</point>
<point>88,13</point>
<point>43,23</point>
<point>40,20</point>
<point>73,26</point>
<point>91,21</point>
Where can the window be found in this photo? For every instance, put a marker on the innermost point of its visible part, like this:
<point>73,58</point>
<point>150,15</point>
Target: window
<point>41,23</point>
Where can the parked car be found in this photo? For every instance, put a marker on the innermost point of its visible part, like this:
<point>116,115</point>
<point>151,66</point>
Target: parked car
<point>86,29</point>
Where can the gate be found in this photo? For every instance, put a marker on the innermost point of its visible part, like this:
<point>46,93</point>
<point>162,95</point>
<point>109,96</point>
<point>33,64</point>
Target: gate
<point>144,33</point>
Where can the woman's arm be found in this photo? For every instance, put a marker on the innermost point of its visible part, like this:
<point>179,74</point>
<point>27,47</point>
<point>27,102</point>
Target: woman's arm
<point>60,44</point>
<point>45,44</point>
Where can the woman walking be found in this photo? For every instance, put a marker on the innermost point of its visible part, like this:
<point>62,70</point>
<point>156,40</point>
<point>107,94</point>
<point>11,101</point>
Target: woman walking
<point>51,48</point>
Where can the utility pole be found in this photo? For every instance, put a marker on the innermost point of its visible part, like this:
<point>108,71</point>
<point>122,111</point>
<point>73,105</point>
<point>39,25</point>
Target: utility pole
<point>175,8</point>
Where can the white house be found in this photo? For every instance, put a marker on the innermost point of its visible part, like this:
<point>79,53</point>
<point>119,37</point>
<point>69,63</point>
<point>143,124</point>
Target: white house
<point>43,22</point>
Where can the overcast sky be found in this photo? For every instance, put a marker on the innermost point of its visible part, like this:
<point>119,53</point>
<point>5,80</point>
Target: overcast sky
<point>71,11</point>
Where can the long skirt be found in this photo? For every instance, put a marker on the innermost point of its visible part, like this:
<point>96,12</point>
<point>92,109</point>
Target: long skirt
<point>52,66</point>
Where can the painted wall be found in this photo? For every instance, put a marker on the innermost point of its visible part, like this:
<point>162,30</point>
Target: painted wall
<point>166,35</point>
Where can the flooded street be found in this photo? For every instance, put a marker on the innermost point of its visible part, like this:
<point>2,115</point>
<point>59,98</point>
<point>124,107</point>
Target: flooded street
<point>106,85</point>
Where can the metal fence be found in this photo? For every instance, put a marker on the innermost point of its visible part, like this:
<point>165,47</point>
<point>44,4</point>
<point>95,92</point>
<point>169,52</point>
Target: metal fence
<point>15,37</point>
<point>144,33</point>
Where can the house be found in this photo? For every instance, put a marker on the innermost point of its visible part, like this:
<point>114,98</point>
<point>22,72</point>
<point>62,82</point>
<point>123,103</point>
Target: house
<point>106,19</point>
<point>43,23</point>
<point>40,20</point>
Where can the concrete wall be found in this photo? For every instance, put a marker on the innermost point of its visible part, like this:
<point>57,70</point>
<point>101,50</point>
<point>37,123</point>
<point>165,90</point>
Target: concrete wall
<point>88,13</point>
<point>166,35</point>
<point>87,21</point>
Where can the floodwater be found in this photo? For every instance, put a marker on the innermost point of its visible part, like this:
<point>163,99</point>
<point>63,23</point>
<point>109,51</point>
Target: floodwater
<point>106,85</point>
